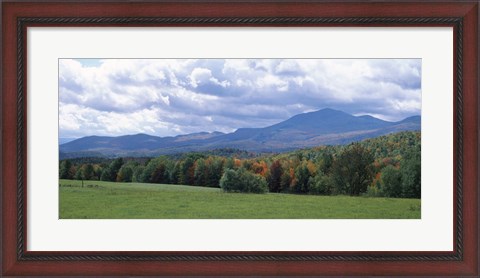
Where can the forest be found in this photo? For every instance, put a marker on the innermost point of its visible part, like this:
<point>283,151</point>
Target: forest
<point>386,166</point>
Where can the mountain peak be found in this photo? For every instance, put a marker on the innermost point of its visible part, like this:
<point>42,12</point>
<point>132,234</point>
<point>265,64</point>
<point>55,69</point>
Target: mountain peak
<point>366,117</point>
<point>326,111</point>
<point>329,110</point>
<point>412,119</point>
<point>318,117</point>
<point>321,127</point>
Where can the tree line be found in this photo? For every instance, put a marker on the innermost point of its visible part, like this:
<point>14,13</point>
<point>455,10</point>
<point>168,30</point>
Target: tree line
<point>386,166</point>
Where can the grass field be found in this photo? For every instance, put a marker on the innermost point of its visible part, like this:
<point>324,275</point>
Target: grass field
<point>109,200</point>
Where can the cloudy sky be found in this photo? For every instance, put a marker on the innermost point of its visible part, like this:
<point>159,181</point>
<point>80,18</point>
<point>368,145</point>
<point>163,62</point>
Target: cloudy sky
<point>166,97</point>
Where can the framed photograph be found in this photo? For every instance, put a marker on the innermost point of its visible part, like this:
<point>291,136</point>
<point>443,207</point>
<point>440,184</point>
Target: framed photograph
<point>257,138</point>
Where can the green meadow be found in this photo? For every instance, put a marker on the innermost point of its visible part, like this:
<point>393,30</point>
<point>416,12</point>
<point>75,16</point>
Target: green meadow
<point>110,200</point>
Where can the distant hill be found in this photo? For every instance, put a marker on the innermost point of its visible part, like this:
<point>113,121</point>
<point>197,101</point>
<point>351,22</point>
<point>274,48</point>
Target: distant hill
<point>65,140</point>
<point>323,127</point>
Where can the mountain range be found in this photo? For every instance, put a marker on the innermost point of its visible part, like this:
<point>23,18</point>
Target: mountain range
<point>322,127</point>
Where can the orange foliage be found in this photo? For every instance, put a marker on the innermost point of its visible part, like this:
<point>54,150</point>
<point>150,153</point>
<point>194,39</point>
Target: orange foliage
<point>260,168</point>
<point>311,167</point>
<point>293,181</point>
<point>377,178</point>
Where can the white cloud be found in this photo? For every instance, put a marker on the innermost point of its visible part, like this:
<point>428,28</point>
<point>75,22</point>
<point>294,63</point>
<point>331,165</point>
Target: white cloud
<point>173,96</point>
<point>288,67</point>
<point>202,76</point>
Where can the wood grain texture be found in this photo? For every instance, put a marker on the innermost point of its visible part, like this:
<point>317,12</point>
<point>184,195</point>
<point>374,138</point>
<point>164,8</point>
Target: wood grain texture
<point>471,124</point>
<point>16,263</point>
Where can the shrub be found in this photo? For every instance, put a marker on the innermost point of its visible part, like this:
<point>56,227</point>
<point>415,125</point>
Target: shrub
<point>374,190</point>
<point>320,185</point>
<point>392,182</point>
<point>243,181</point>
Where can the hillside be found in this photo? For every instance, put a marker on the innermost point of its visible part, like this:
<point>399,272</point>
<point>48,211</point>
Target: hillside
<point>322,170</point>
<point>323,127</point>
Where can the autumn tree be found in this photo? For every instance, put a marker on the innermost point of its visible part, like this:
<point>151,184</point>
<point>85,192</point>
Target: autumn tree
<point>260,168</point>
<point>154,171</point>
<point>247,164</point>
<point>287,179</point>
<point>229,163</point>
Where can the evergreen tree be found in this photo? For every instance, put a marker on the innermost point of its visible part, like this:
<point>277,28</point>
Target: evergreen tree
<point>187,171</point>
<point>66,171</point>
<point>200,172</point>
<point>275,178</point>
<point>214,172</point>
<point>302,176</point>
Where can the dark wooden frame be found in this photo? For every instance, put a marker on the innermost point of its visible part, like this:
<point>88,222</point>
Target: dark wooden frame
<point>462,16</point>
